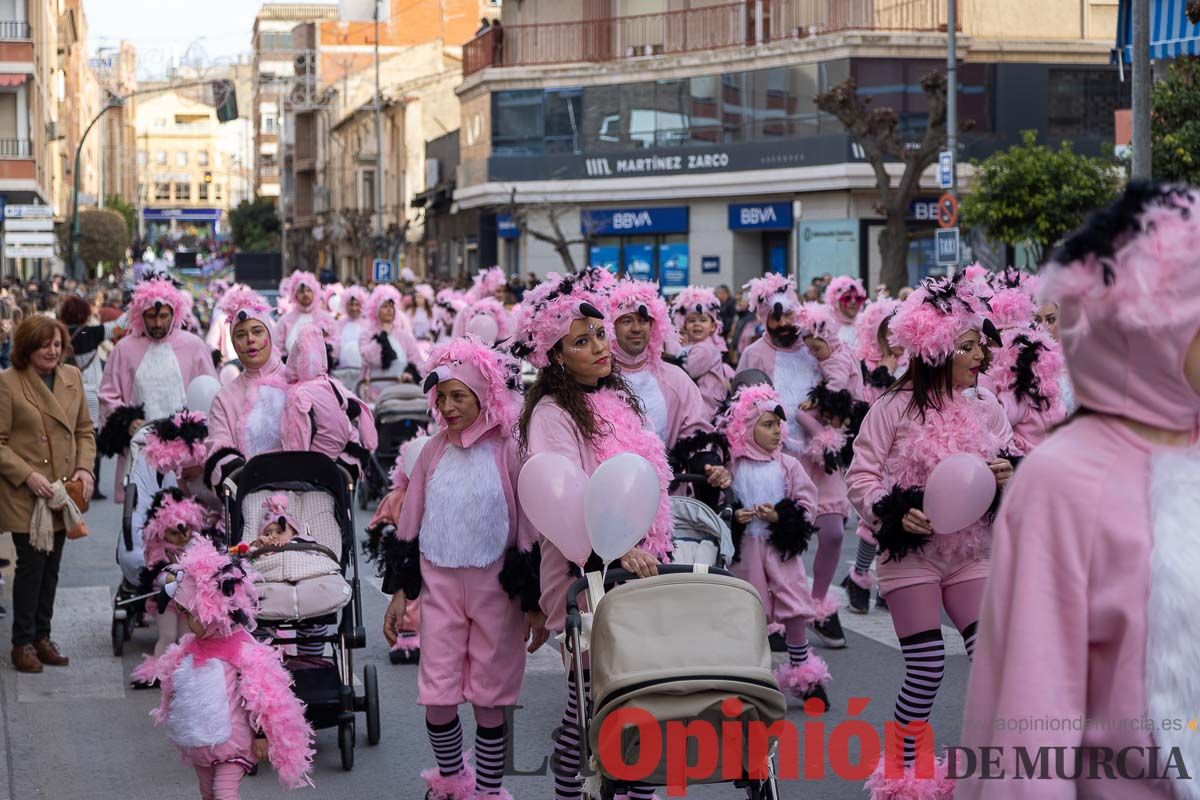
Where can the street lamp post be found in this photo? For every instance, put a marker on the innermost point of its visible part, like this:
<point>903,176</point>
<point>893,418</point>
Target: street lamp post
<point>73,237</point>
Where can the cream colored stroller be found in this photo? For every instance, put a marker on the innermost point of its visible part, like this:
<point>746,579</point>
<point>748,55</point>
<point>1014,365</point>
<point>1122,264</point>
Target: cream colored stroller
<point>653,647</point>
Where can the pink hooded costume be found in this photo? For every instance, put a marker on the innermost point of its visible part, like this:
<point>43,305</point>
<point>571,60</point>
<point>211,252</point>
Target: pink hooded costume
<point>840,290</point>
<point>704,361</point>
<point>1089,613</point>
<point>221,689</point>
<point>347,331</point>
<point>388,353</point>
<point>792,369</point>
<point>246,415</point>
<point>298,317</point>
<point>768,554</point>
<point>219,335</point>
<point>670,400</point>
<point>146,378</point>
<point>487,306</point>
<point>319,414</point>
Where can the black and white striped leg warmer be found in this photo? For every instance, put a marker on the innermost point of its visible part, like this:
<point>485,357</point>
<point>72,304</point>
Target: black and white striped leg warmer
<point>924,664</point>
<point>968,634</point>
<point>797,653</point>
<point>640,793</point>
<point>447,743</point>
<point>315,649</point>
<point>565,761</point>
<point>864,557</point>
<point>490,747</point>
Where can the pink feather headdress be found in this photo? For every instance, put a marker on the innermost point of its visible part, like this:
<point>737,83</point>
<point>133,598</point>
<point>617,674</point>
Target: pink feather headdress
<point>696,300</point>
<point>927,325</point>
<point>217,590</point>
<point>169,509</point>
<point>640,297</point>
<point>426,291</point>
<point>1011,303</point>
<point>178,442</point>
<point>275,511</point>
<point>818,320</point>
<point>486,282</point>
<point>839,287</point>
<point>239,295</point>
<point>380,296</point>
<point>493,376</point>
<point>738,422</point>
<point>354,292</point>
<point>548,310</point>
<point>494,309</point>
<point>287,287</point>
<point>155,292</point>
<point>248,305</point>
<point>866,326</point>
<point>770,292</point>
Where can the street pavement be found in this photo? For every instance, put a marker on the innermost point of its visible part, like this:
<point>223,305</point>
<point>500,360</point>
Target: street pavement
<point>80,733</point>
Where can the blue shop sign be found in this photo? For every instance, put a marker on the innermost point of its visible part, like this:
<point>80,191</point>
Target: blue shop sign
<point>760,216</point>
<point>634,221</point>
<point>506,227</point>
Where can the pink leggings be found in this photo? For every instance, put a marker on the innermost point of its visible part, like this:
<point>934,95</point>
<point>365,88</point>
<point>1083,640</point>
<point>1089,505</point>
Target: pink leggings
<point>831,529</point>
<point>919,608</point>
<point>220,781</point>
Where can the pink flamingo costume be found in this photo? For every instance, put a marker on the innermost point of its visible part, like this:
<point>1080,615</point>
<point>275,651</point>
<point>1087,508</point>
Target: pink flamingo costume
<point>704,361</point>
<point>842,290</point>
<point>463,545</point>
<point>222,689</point>
<point>297,317</point>
<point>1089,612</point>
<point>386,353</point>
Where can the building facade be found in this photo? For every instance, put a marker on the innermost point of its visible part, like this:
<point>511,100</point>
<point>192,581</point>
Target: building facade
<point>116,75</point>
<point>679,140</point>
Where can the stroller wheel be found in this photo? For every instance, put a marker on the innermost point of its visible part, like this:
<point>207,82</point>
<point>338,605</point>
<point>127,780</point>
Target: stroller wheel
<point>371,692</point>
<point>346,744</point>
<point>118,637</point>
<point>128,625</point>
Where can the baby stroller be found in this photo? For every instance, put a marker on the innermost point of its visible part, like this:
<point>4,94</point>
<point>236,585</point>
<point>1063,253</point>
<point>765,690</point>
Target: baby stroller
<point>129,604</point>
<point>701,535</point>
<point>675,665</point>
<point>401,413</point>
<point>320,492</point>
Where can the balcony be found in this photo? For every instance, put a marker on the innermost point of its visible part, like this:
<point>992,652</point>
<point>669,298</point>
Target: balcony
<point>736,24</point>
<point>10,30</point>
<point>15,148</point>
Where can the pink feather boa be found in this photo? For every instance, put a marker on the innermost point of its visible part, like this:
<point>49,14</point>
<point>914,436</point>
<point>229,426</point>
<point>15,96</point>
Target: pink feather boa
<point>621,431</point>
<point>1011,308</point>
<point>186,514</point>
<point>172,455</point>
<point>827,440</point>
<point>938,786</point>
<point>799,679</point>
<point>1047,369</point>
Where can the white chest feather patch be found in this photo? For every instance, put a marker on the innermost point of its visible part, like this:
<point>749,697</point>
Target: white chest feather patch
<point>1172,627</point>
<point>648,391</point>
<point>198,715</point>
<point>755,483</point>
<point>796,373</point>
<point>158,382</point>
<point>466,515</point>
<point>262,423</point>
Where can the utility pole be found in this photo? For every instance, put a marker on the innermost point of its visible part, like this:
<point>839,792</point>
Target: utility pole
<point>378,141</point>
<point>952,91</point>
<point>1141,89</point>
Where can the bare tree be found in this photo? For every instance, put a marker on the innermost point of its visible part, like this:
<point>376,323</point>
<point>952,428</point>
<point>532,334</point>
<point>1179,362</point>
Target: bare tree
<point>1193,11</point>
<point>878,133</point>
<point>557,237</point>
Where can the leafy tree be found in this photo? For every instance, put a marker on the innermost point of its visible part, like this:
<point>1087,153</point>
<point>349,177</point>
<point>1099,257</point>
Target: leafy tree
<point>103,237</point>
<point>254,225</point>
<point>1174,125</point>
<point>877,130</point>
<point>1036,194</point>
<point>126,210</point>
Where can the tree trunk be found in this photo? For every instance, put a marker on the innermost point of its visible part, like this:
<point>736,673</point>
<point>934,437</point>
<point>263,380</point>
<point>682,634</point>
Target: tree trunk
<point>893,250</point>
<point>564,252</point>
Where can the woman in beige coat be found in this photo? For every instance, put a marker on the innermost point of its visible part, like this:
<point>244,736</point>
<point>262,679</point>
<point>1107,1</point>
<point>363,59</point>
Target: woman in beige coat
<point>46,435</point>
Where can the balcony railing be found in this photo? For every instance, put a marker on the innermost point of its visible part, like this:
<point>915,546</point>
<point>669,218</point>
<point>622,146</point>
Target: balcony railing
<point>737,24</point>
<point>10,30</point>
<point>14,148</point>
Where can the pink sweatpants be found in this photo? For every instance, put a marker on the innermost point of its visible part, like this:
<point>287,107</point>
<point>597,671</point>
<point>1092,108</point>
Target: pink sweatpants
<point>220,781</point>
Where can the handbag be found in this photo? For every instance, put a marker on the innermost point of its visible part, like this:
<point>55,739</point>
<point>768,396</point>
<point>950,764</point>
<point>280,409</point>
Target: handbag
<point>74,487</point>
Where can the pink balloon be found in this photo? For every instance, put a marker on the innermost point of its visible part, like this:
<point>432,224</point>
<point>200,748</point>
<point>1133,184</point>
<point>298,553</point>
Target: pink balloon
<point>550,489</point>
<point>620,504</point>
<point>959,491</point>
<point>483,326</point>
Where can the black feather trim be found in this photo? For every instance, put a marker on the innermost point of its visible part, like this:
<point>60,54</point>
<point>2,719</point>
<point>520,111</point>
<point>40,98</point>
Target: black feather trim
<point>895,542</point>
<point>790,534</point>
<point>1026,385</point>
<point>210,464</point>
<point>397,563</point>
<point>831,404</point>
<point>411,369</point>
<point>387,355</point>
<point>160,497</point>
<point>738,532</point>
<point>880,377</point>
<point>692,453</point>
<point>858,412</point>
<point>114,437</point>
<point>217,358</point>
<point>521,576</point>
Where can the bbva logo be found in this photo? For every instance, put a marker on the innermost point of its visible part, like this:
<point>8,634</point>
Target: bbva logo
<point>631,220</point>
<point>758,215</point>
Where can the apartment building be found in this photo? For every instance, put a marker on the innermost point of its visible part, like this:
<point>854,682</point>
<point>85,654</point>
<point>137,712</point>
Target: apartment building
<point>116,134</point>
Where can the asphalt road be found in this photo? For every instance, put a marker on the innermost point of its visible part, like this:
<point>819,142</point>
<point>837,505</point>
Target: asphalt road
<point>79,733</point>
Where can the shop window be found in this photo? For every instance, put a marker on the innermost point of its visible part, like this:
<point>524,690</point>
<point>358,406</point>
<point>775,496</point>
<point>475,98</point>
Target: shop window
<point>517,122</point>
<point>1081,102</point>
<point>564,120</point>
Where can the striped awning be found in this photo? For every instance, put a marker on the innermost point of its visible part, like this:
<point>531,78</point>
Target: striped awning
<point>1171,34</point>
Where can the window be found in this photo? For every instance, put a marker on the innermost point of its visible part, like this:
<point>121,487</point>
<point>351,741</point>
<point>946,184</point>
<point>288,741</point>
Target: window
<point>217,191</point>
<point>270,124</point>
<point>181,158</point>
<point>160,158</point>
<point>366,190</point>
<point>162,191</point>
<point>275,40</point>
<point>517,122</point>
<point>202,158</point>
<point>183,192</point>
<point>1081,102</point>
<point>563,120</point>
<point>201,191</point>
<point>8,115</point>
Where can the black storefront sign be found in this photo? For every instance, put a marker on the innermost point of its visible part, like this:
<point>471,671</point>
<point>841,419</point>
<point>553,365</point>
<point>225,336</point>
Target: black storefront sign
<point>807,152</point>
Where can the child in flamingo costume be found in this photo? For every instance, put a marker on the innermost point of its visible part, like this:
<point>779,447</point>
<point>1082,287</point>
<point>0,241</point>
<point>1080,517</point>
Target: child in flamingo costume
<point>776,504</point>
<point>226,699</point>
<point>845,297</point>
<point>464,546</point>
<point>696,312</point>
<point>171,522</point>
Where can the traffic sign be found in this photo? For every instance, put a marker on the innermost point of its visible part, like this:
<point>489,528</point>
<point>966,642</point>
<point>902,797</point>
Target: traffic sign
<point>22,224</point>
<point>29,237</point>
<point>947,211</point>
<point>28,251</point>
<point>28,212</point>
<point>381,270</point>
<point>946,240</point>
<point>946,169</point>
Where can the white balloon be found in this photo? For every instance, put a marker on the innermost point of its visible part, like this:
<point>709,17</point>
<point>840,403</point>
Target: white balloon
<point>620,504</point>
<point>413,452</point>
<point>201,391</point>
<point>228,373</point>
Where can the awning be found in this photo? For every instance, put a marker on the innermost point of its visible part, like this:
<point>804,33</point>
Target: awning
<point>12,78</point>
<point>1171,33</point>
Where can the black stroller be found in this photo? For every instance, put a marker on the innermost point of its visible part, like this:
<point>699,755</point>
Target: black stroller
<point>321,492</point>
<point>401,413</point>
